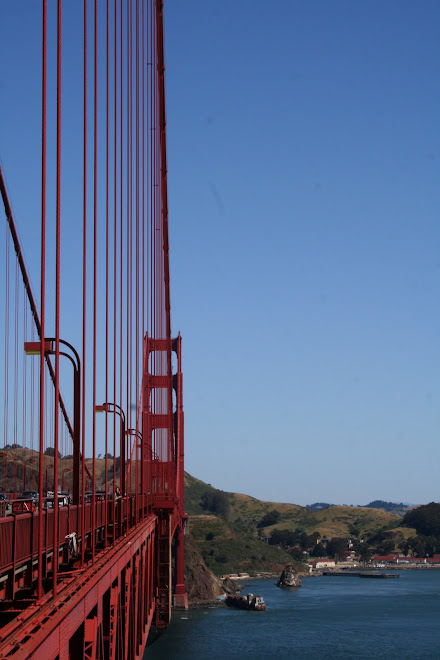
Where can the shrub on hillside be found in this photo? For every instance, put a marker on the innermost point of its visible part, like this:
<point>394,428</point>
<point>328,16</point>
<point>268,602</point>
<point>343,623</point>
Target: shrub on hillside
<point>269,519</point>
<point>425,519</point>
<point>282,537</point>
<point>217,502</point>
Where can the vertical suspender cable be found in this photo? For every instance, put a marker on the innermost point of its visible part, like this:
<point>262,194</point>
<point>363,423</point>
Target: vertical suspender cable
<point>152,216</point>
<point>121,244</point>
<point>115,201</point>
<point>137,225</point>
<point>129,207</point>
<point>121,192</point>
<point>6,416</point>
<point>115,210</point>
<point>130,221</point>
<point>141,456</point>
<point>127,212</point>
<point>149,169</point>
<point>43,306</point>
<point>95,240</point>
<point>57,300</point>
<point>106,265</point>
<point>83,430</point>
<point>127,264</point>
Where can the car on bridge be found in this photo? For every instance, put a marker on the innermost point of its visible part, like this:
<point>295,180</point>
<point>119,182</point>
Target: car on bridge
<point>63,500</point>
<point>29,494</point>
<point>66,493</point>
<point>99,496</point>
<point>28,501</point>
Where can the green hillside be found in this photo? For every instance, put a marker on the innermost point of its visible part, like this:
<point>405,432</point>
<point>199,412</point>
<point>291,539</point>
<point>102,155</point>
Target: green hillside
<point>232,531</point>
<point>226,548</point>
<point>247,512</point>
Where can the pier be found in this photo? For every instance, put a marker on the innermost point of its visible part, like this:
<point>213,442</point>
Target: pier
<point>361,574</point>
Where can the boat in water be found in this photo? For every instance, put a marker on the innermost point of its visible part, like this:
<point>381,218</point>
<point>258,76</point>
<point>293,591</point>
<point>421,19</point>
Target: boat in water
<point>249,602</point>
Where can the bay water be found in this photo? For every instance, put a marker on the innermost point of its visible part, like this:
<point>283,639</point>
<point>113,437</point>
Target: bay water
<point>327,618</point>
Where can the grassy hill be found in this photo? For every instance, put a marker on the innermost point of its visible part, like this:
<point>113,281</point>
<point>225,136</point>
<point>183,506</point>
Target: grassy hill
<point>22,470</point>
<point>247,512</point>
<point>340,521</point>
<point>230,540</point>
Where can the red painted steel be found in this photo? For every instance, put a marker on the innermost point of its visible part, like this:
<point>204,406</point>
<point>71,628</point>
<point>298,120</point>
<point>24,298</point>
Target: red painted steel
<point>90,579</point>
<point>78,597</point>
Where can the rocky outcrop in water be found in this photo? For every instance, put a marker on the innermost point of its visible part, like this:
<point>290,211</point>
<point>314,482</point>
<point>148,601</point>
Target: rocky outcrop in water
<point>289,578</point>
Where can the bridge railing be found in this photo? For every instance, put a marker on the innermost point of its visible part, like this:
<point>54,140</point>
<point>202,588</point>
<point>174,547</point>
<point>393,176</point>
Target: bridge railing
<point>19,538</point>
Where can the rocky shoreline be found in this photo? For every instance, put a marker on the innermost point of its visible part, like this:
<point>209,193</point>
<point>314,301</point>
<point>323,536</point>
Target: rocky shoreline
<point>204,588</point>
<point>215,602</point>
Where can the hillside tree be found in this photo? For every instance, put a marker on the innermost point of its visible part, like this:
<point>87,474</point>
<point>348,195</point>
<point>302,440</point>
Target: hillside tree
<point>269,519</point>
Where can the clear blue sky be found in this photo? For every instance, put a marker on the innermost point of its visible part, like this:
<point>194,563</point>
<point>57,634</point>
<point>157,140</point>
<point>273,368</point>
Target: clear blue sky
<point>304,196</point>
<point>303,164</point>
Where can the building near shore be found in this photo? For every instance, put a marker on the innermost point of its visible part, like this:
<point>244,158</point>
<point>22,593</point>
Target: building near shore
<point>401,559</point>
<point>322,562</point>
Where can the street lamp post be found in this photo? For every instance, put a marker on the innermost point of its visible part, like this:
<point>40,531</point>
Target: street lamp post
<point>114,408</point>
<point>34,348</point>
<point>139,471</point>
<point>138,445</point>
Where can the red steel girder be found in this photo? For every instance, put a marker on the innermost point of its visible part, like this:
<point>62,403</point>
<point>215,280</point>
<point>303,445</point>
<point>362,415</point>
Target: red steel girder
<point>90,638</point>
<point>127,603</point>
<point>163,568</point>
<point>46,633</point>
<point>114,606</point>
<point>135,605</point>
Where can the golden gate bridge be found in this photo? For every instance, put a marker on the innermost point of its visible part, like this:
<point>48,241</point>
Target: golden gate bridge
<point>91,481</point>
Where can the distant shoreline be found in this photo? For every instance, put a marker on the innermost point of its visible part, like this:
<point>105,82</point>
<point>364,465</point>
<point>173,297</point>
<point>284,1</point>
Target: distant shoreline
<point>209,604</point>
<point>388,567</point>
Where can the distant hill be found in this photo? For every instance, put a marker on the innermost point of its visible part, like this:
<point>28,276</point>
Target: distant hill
<point>390,507</point>
<point>318,506</point>
<point>22,464</point>
<point>398,509</point>
<point>330,520</point>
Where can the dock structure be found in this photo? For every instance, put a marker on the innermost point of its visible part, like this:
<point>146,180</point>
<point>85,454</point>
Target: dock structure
<point>361,574</point>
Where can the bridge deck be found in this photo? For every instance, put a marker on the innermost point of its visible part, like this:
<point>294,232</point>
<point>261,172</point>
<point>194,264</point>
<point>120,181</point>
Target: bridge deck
<point>123,574</point>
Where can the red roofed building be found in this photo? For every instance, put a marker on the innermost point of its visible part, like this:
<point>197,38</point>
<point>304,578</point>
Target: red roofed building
<point>385,559</point>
